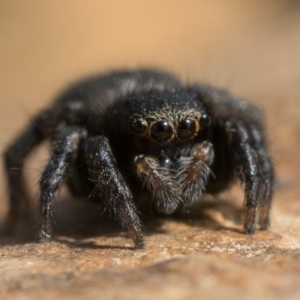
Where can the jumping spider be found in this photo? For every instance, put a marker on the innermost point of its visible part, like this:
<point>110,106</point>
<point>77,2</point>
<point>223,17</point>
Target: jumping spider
<point>131,135</point>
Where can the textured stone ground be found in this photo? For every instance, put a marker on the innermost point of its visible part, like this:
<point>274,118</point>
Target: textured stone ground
<point>252,49</point>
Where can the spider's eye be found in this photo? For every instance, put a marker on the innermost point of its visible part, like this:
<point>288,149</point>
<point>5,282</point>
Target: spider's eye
<point>139,126</point>
<point>204,121</point>
<point>186,129</point>
<point>161,131</point>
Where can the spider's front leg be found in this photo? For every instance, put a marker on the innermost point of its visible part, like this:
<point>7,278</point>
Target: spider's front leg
<point>112,187</point>
<point>255,169</point>
<point>65,149</point>
<point>194,171</point>
<point>159,179</point>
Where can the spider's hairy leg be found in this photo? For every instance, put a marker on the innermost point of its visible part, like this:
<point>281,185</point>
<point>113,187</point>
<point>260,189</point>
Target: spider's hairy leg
<point>267,176</point>
<point>65,149</point>
<point>194,171</point>
<point>159,180</point>
<point>248,164</point>
<point>14,159</point>
<point>112,187</point>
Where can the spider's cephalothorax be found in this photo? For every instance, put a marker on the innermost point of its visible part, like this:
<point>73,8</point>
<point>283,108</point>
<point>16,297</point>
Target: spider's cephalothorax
<point>127,135</point>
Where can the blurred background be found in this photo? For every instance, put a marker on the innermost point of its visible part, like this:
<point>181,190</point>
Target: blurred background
<point>250,47</point>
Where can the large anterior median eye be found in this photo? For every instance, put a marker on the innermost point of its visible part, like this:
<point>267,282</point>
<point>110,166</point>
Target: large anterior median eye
<point>139,126</point>
<point>161,131</point>
<point>186,129</point>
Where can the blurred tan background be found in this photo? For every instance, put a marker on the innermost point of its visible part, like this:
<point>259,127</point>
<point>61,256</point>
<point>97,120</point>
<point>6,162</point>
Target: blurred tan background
<point>249,47</point>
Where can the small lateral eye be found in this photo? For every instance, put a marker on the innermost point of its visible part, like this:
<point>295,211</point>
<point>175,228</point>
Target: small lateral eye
<point>204,120</point>
<point>161,131</point>
<point>139,126</point>
<point>186,129</point>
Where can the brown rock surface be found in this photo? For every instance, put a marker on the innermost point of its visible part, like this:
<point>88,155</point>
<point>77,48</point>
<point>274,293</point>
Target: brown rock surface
<point>251,48</point>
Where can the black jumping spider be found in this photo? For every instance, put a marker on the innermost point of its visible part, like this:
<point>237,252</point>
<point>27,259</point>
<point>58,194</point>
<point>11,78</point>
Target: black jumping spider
<point>124,136</point>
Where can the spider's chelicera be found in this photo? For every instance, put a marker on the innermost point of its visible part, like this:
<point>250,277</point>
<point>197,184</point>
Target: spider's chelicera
<point>132,135</point>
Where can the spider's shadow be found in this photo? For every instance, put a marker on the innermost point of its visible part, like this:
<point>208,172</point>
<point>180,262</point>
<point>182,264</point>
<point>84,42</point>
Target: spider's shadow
<point>214,215</point>
<point>80,220</point>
